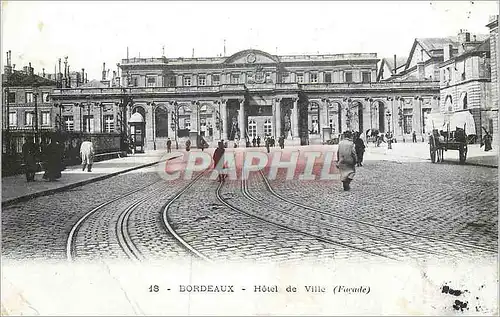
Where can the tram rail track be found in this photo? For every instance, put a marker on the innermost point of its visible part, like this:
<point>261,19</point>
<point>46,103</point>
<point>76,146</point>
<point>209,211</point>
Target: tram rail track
<point>381,242</point>
<point>294,230</point>
<point>169,227</point>
<point>71,241</point>
<point>365,223</point>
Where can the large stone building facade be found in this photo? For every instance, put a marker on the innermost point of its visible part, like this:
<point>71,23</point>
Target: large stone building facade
<point>307,99</point>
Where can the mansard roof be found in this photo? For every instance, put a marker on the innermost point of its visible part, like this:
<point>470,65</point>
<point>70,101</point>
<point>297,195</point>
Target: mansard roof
<point>21,79</point>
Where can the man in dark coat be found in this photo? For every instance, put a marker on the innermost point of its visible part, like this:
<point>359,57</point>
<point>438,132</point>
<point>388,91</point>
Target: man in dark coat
<point>169,145</point>
<point>53,160</point>
<point>258,141</point>
<point>281,142</point>
<point>30,154</point>
<point>219,160</point>
<point>360,148</point>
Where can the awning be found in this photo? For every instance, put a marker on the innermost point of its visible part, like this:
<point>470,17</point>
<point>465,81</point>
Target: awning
<point>463,120</point>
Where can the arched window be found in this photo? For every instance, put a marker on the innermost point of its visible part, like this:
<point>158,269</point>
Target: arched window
<point>268,128</point>
<point>252,129</point>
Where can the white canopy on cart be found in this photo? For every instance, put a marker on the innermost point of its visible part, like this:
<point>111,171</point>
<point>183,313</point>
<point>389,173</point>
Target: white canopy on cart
<point>435,121</point>
<point>461,119</point>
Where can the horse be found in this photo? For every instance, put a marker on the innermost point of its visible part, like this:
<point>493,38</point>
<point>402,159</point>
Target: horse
<point>372,133</point>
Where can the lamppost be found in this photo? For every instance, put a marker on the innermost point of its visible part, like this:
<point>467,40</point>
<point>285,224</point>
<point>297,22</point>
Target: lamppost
<point>175,121</point>
<point>389,139</point>
<point>198,133</point>
<point>35,96</point>
<point>348,113</point>
<point>61,107</point>
<point>88,113</point>
<point>7,121</point>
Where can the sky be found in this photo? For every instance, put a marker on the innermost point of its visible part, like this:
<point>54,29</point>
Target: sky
<point>93,32</point>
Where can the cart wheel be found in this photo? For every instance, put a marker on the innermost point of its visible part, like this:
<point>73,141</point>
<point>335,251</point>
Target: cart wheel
<point>462,154</point>
<point>432,149</point>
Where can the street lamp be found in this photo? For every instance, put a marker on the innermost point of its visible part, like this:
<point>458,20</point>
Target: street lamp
<point>175,121</point>
<point>61,107</point>
<point>389,134</point>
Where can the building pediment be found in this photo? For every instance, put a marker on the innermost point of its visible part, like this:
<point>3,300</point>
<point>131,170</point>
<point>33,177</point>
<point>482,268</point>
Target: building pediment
<point>252,57</point>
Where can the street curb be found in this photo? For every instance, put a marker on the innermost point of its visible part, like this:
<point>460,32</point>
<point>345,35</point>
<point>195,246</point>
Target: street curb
<point>47,192</point>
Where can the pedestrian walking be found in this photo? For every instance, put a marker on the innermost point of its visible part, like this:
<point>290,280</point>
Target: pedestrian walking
<point>53,160</point>
<point>258,141</point>
<point>414,135</point>
<point>188,145</point>
<point>268,145</point>
<point>30,154</point>
<point>281,142</point>
<point>169,145</point>
<point>346,160</point>
<point>218,158</point>
<point>360,148</point>
<point>254,142</point>
<point>87,154</point>
<point>487,139</point>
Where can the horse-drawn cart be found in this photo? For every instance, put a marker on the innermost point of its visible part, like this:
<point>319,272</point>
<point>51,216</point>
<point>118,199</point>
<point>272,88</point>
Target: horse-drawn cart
<point>450,133</point>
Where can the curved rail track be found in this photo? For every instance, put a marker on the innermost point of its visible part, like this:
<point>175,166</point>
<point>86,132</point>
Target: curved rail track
<point>169,227</point>
<point>124,240</point>
<point>365,223</point>
<point>302,232</point>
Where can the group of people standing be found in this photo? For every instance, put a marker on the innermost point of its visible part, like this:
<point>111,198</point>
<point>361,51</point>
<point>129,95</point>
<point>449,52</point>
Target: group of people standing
<point>50,158</point>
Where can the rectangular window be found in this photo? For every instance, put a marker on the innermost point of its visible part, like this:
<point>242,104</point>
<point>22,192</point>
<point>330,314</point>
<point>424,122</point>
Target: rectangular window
<point>109,123</point>
<point>45,118</point>
<point>12,97</point>
<point>202,80</point>
<point>215,80</point>
<point>314,77</point>
<point>136,81</point>
<point>88,121</point>
<point>171,81</point>
<point>69,123</point>
<point>45,97</point>
<point>235,78</point>
<point>29,97</point>
<point>300,78</point>
<point>328,77</point>
<point>348,77</point>
<point>367,78</point>
<point>28,118</point>
<point>151,81</point>
<point>12,119</point>
<point>187,124</point>
<point>187,80</point>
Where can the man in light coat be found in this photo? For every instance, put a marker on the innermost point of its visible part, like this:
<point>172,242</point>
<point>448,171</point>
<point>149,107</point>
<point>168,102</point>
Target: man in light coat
<point>87,154</point>
<point>346,160</point>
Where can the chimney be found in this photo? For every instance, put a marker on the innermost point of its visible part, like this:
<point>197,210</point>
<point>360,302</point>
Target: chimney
<point>103,71</point>
<point>463,38</point>
<point>43,72</point>
<point>83,75</point>
<point>395,66</point>
<point>86,79</point>
<point>447,52</point>
<point>8,68</point>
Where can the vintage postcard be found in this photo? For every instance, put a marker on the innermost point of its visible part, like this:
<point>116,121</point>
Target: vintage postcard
<point>249,158</point>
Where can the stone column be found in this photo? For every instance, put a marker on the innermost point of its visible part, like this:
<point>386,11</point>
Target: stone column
<point>170,126</point>
<point>277,111</point>
<point>295,119</point>
<point>223,116</point>
<point>323,123</point>
<point>242,121</point>
<point>194,116</point>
